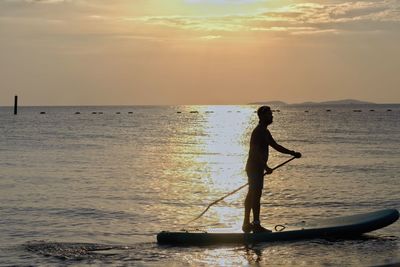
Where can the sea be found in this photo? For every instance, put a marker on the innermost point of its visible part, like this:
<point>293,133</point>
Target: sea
<point>94,185</point>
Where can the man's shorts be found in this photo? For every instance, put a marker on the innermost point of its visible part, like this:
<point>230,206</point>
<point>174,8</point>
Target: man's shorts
<point>256,179</point>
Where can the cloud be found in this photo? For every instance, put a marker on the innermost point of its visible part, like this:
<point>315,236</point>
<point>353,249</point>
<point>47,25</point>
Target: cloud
<point>304,18</point>
<point>100,16</point>
<point>216,23</point>
<point>35,1</point>
<point>211,37</point>
<point>348,11</point>
<point>221,2</point>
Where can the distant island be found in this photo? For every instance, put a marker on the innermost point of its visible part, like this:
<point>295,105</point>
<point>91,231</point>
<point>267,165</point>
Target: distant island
<point>309,103</point>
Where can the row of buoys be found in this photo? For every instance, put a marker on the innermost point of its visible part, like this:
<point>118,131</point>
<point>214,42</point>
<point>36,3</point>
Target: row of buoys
<point>273,110</point>
<point>210,111</point>
<point>229,111</point>
<point>94,112</point>
<point>358,110</point>
<point>354,110</point>
<point>277,110</point>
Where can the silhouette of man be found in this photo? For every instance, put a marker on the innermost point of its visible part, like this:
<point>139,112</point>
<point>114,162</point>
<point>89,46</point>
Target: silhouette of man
<point>261,140</point>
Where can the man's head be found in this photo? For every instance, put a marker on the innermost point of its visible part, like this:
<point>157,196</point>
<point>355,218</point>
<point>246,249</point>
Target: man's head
<point>265,115</point>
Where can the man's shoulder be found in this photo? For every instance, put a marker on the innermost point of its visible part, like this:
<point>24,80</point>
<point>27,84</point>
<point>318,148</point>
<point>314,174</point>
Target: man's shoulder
<point>257,129</point>
<point>261,131</point>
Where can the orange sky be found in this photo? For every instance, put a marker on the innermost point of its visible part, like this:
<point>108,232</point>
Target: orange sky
<point>123,52</point>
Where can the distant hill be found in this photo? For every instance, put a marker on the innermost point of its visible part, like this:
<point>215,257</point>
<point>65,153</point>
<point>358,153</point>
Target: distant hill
<point>309,103</point>
<point>338,102</point>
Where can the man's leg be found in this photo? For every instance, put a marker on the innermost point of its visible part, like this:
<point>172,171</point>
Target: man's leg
<point>256,225</point>
<point>256,204</point>
<point>248,203</point>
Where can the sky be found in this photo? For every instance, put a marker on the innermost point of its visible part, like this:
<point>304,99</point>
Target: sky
<point>168,52</point>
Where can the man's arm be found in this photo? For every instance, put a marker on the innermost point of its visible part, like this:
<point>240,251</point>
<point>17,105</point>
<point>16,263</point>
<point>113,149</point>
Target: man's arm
<point>282,149</point>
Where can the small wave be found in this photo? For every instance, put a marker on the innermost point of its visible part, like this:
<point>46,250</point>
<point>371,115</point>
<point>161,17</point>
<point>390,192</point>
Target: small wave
<point>91,213</point>
<point>71,251</point>
<point>71,212</point>
<point>96,253</point>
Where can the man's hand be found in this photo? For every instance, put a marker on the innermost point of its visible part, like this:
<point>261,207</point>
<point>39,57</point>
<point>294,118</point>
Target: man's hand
<point>268,170</point>
<point>296,154</point>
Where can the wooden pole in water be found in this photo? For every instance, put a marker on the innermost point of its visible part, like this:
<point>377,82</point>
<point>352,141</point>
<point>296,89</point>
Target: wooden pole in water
<point>15,105</point>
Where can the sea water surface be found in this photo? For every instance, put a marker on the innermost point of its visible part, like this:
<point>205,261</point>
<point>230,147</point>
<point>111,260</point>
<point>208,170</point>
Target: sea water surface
<point>80,189</point>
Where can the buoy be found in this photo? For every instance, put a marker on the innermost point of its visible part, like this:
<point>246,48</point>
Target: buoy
<point>42,112</point>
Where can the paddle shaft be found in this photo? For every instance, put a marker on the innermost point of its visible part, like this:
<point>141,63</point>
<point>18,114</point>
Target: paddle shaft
<point>236,190</point>
<point>280,165</point>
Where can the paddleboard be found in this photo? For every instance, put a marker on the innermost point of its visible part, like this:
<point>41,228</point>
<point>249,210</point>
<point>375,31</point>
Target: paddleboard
<point>347,226</point>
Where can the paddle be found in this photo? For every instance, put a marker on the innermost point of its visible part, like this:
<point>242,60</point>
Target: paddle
<point>236,190</point>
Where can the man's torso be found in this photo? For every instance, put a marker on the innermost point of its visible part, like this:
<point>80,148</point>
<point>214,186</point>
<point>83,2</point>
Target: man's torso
<point>259,149</point>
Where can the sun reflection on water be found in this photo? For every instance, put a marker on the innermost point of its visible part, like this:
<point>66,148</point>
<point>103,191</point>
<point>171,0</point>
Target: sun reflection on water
<point>226,140</point>
<point>219,148</point>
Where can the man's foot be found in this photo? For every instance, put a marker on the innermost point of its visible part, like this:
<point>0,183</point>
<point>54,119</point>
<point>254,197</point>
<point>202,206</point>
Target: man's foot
<point>257,228</point>
<point>247,227</point>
